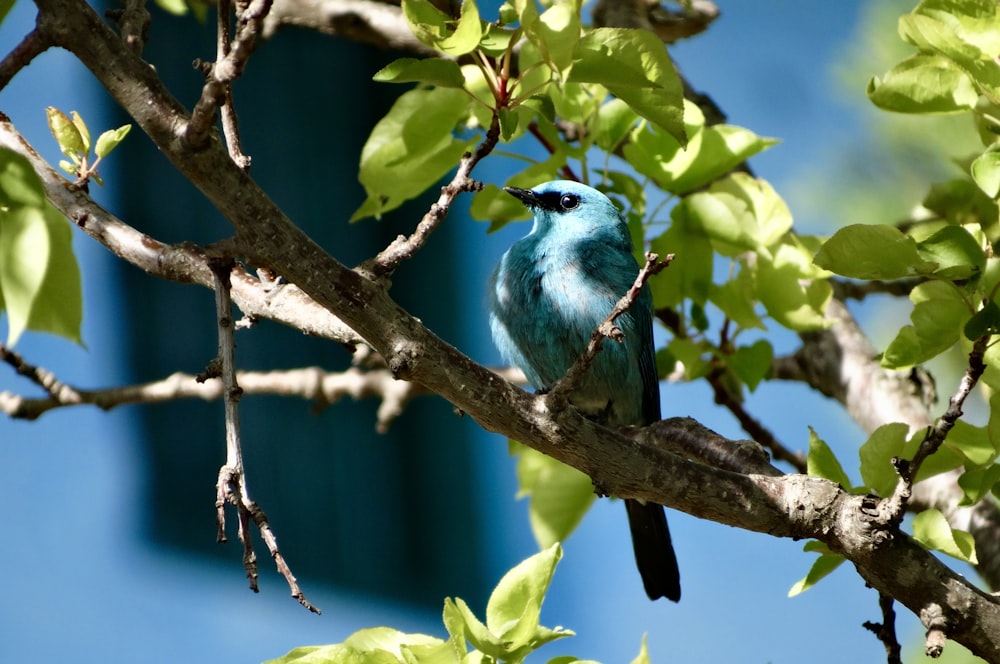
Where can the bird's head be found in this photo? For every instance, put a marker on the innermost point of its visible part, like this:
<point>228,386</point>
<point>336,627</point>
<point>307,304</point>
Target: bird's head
<point>568,207</point>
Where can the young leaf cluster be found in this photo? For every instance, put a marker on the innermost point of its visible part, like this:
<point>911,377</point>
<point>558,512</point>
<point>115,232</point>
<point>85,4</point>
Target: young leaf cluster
<point>73,137</point>
<point>510,633</point>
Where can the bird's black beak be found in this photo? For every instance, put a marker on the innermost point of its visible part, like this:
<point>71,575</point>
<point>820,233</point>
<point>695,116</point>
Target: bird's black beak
<point>526,196</point>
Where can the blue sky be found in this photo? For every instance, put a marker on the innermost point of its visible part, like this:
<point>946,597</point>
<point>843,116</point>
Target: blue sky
<point>80,583</point>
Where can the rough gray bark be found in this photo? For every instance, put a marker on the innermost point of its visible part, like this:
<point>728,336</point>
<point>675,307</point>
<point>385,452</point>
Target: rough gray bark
<point>676,463</point>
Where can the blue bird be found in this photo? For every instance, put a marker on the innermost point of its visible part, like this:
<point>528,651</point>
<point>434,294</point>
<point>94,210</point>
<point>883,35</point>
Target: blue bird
<point>547,295</point>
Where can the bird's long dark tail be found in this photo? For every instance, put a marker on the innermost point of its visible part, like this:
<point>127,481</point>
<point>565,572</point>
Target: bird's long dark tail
<point>654,552</point>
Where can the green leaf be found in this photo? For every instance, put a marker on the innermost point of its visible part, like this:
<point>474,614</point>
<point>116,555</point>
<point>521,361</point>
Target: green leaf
<point>960,201</point>
<point>821,567</point>
<point>752,363</point>
<point>110,139</point>
<point>81,126</point>
<point>175,7</point>
<point>39,276</point>
<point>643,656</point>
<point>634,66</point>
<point>972,442</point>
<point>924,84</point>
<point>931,529</point>
<point>725,219</point>
<point>986,171</point>
<point>977,483</point>
<point>821,461</point>
<point>736,300</point>
<point>556,33</point>
<point>65,132</point>
<point>962,29</point>
<point>692,355</point>
<point>612,123</point>
<point>442,32</point>
<point>19,184</point>
<point>863,251</point>
<point>984,322</point>
<point>939,317</point>
<point>740,213</point>
<point>559,495</point>
<point>711,152</point>
<point>331,654</point>
<point>993,426</point>
<point>789,290</point>
<point>5,6</point>
<point>514,607</point>
<point>877,471</point>
<point>375,645</point>
<point>411,148</point>
<point>475,632</point>
<point>957,254</point>
<point>690,273</point>
<point>495,205</point>
<point>496,39</point>
<point>435,71</point>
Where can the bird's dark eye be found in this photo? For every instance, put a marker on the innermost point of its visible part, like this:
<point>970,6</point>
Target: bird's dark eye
<point>569,201</point>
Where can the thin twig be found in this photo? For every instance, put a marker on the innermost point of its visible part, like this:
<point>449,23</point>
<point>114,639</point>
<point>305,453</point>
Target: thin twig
<point>56,389</point>
<point>559,394</point>
<point>33,44</point>
<point>886,630</point>
<point>225,70</point>
<point>894,507</point>
<point>230,124</point>
<point>311,383</point>
<point>567,171</point>
<point>232,483</point>
<point>754,427</point>
<point>133,23</point>
<point>404,248</point>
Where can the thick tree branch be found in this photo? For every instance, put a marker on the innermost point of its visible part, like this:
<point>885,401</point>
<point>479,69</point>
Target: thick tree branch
<point>183,263</point>
<point>788,506</point>
<point>21,56</point>
<point>692,17</point>
<point>841,363</point>
<point>378,23</point>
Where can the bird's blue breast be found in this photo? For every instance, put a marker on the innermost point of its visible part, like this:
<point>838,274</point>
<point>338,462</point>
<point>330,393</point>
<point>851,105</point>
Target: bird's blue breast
<point>547,297</point>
